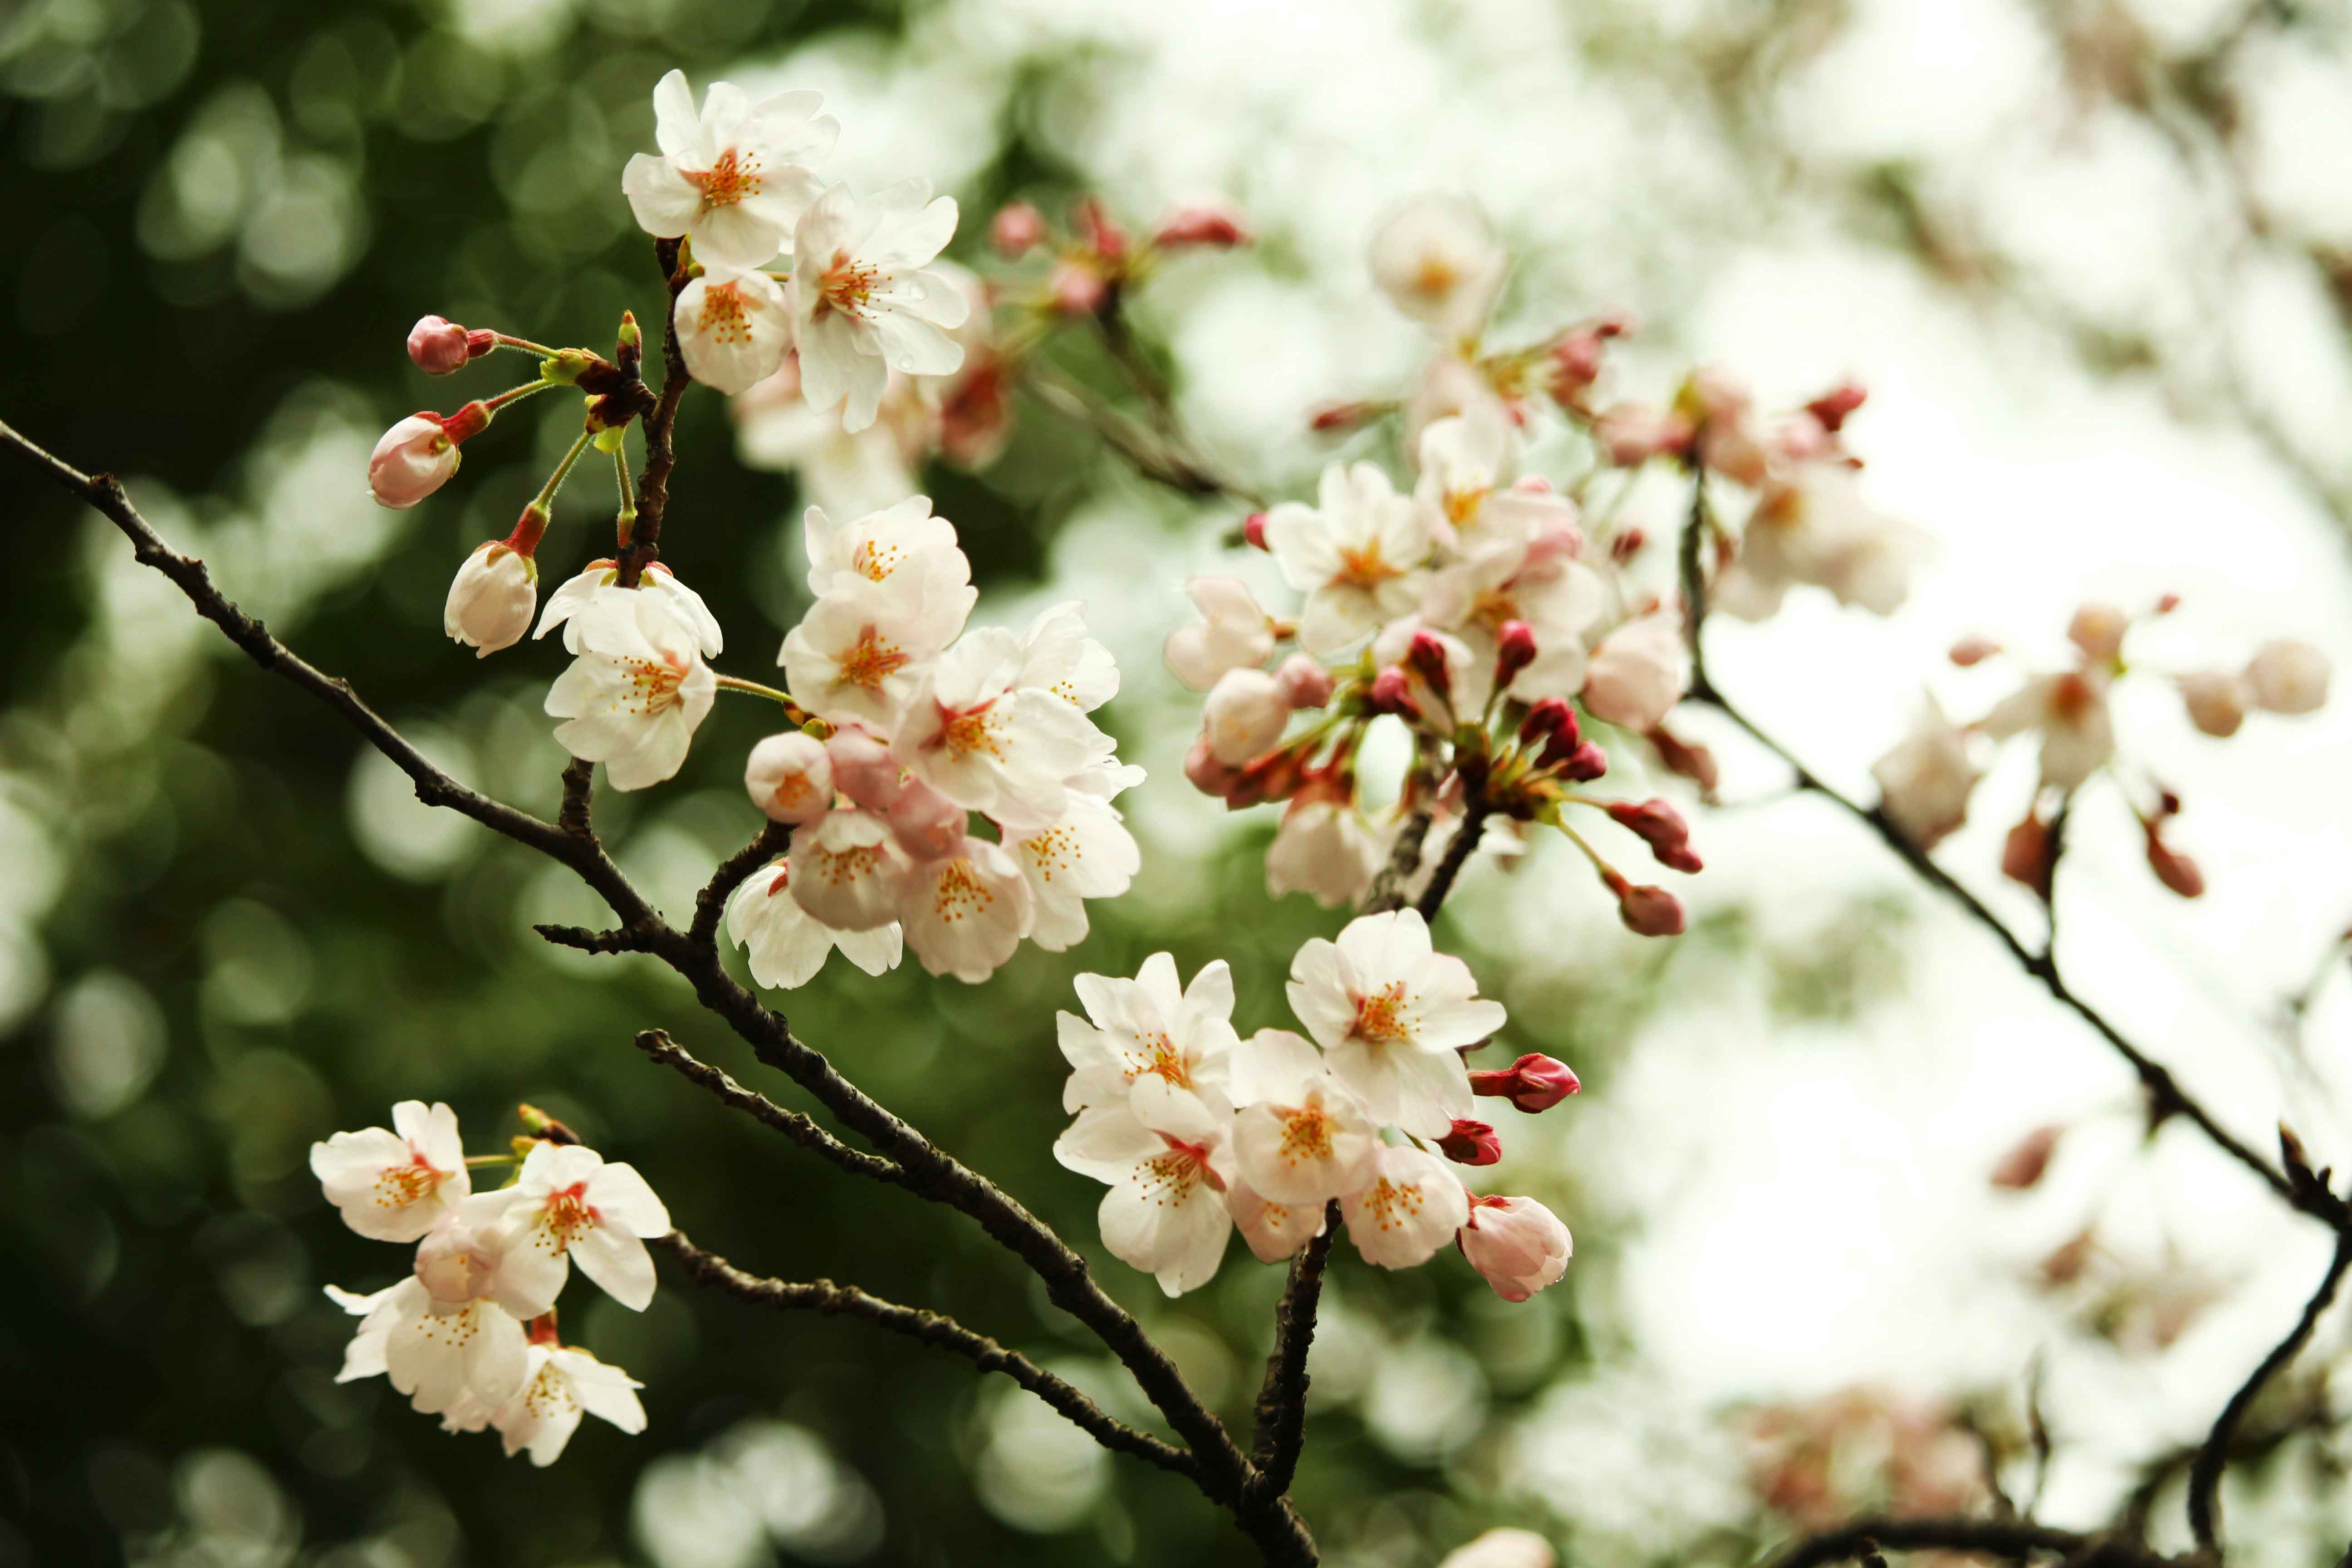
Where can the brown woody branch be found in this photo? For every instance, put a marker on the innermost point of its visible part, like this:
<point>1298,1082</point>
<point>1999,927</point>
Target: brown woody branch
<point>644,547</point>
<point>932,1328</point>
<point>2013,1538</point>
<point>657,1045</point>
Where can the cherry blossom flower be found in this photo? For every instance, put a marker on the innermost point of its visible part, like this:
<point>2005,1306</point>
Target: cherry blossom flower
<point>1355,553</point>
<point>1150,1027</point>
<point>1245,715</point>
<point>1233,633</point>
<point>1164,1154</point>
<point>842,471</point>
<point>1516,1245</point>
<point>1464,494</point>
<point>1413,1205</point>
<point>397,1184</point>
<point>656,582</point>
<point>411,460</point>
<point>732,176</point>
<point>363,1356</point>
<point>1438,261</point>
<point>864,299</point>
<point>492,598</point>
<point>1324,847</point>
<point>1087,853</point>
<point>560,1383</point>
<point>1638,671</point>
<point>635,694</point>
<point>989,745</point>
<point>1925,781</point>
<point>1502,1549</point>
<point>864,648</point>
<point>966,913</point>
<point>734,327</point>
<point>1815,527</point>
<point>1059,657</point>
<point>845,870</point>
<point>569,1203</point>
<point>1391,1016</point>
<point>903,537</point>
<point>786,944</point>
<point>2286,677</point>
<point>1557,599</point>
<point>2070,712</point>
<point>1301,1136</point>
<point>458,1360</point>
<point>1274,1231</point>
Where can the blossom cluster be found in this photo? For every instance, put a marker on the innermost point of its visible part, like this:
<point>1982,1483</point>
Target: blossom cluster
<point>1198,1131</point>
<point>470,1334</point>
<point>914,726</point>
<point>1928,779</point>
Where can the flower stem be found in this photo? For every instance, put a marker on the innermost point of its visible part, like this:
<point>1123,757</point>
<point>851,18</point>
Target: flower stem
<point>792,711</point>
<point>477,1160</point>
<point>562,470</point>
<point>524,346</point>
<point>625,522</point>
<point>516,394</point>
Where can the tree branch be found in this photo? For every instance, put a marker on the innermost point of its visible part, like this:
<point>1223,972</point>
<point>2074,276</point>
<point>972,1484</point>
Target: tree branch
<point>2010,1538</point>
<point>2166,1097</point>
<point>710,903</point>
<point>932,1328</point>
<point>2205,1473</point>
<point>657,1045</point>
<point>1282,1399</point>
<point>644,546</point>
<point>1458,850</point>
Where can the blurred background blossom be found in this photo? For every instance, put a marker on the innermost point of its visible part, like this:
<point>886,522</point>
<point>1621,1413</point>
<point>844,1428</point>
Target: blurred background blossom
<point>2094,260</point>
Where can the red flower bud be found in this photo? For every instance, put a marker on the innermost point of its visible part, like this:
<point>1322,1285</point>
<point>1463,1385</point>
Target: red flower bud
<point>2174,869</point>
<point>1514,649</point>
<point>2023,1166</point>
<point>1583,763</point>
<point>1339,417</point>
<point>1254,530</point>
<point>1217,228</point>
<point>1101,235</point>
<point>1388,694</point>
<point>2025,856</point>
<point>1533,1083</point>
<point>1017,229</point>
<point>1549,717</point>
<point>1077,289</point>
<point>1686,758</point>
<point>438,346</point>
<point>1647,911</point>
<point>1834,408</point>
<point>1627,545</point>
<point>1662,827</point>
<point>1972,649</point>
<point>1471,1144</point>
<point>1426,655</point>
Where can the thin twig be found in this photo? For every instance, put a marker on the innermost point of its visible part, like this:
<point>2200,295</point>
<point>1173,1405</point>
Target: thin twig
<point>1150,456</point>
<point>932,1328</point>
<point>597,941</point>
<point>1458,850</point>
<point>657,1045</point>
<point>644,547</point>
<point>1282,1400</point>
<point>2205,1474</point>
<point>1989,1537</point>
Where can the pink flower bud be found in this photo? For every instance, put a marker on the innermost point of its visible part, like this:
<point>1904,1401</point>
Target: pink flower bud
<point>492,598</point>
<point>928,826</point>
<point>2175,870</point>
<point>1627,545</point>
<point>438,346</point>
<point>1549,719</point>
<point>1662,827</point>
<point>1835,406</point>
<point>1207,774</point>
<point>1276,775</point>
<point>1471,1144</point>
<point>1971,650</point>
<point>1632,433</point>
<point>2024,1165</point>
<point>1516,1245</point>
<point>1585,763</point>
<point>1303,682</point>
<point>1514,649</point>
<point>1098,232</point>
<point>1687,759</point>
<point>2169,604</point>
<point>456,1262</point>
<point>2098,630</point>
<point>1388,694</point>
<point>1077,289</point>
<point>1533,1083</point>
<point>2025,856</point>
<point>863,769</point>
<point>1339,417</point>
<point>414,459</point>
<point>2287,677</point>
<point>1647,911</point>
<point>789,778</point>
<point>1217,228</point>
<point>2215,701</point>
<point>1254,530</point>
<point>1575,363</point>
<point>1015,230</point>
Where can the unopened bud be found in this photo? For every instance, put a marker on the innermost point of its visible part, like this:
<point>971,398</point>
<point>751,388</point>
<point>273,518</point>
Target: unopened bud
<point>1627,545</point>
<point>1098,232</point>
<point>1533,1083</point>
<point>540,1125</point>
<point>2025,856</point>
<point>1662,827</point>
<point>1687,759</point>
<point>2215,701</point>
<point>2023,1166</point>
<point>1426,655</point>
<point>1276,775</point>
<point>864,769</point>
<point>1388,694</point>
<point>1207,774</point>
<point>1471,1144</point>
<point>631,338</point>
<point>928,825</point>
<point>2169,604</point>
<point>1585,763</point>
<point>1254,530</point>
<point>1339,417</point>
<point>438,346</point>
<point>2098,630</point>
<point>1015,230</point>
<point>1972,649</point>
<point>1514,649</point>
<point>2175,870</point>
<point>1217,228</point>
<point>1647,911</point>
<point>1835,406</point>
<point>1303,682</point>
<point>1549,719</point>
<point>1076,290</point>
